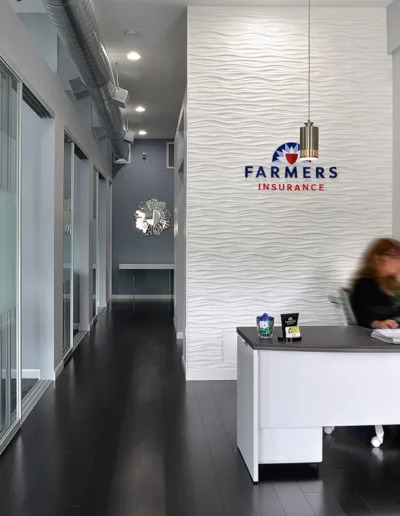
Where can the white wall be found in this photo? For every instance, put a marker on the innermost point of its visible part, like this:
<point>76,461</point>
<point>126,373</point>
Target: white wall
<point>251,251</point>
<point>19,52</point>
<point>394,49</point>
<point>393,18</point>
<point>396,143</point>
<point>44,35</point>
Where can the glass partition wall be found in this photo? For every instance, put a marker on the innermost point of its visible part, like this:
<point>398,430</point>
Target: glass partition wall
<point>10,362</point>
<point>37,249</point>
<point>68,246</point>
<point>76,246</point>
<point>95,236</point>
<point>27,147</point>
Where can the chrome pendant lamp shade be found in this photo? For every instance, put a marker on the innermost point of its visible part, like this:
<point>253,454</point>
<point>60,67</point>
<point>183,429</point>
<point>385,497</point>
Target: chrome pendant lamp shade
<point>309,141</point>
<point>309,134</point>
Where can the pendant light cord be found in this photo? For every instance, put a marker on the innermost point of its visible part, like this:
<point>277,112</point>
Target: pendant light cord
<point>309,60</point>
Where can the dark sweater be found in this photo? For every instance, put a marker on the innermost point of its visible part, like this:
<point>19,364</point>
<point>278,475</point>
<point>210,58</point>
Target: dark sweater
<point>370,304</point>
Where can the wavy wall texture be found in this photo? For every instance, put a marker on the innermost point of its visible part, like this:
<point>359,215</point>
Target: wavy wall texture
<point>251,251</point>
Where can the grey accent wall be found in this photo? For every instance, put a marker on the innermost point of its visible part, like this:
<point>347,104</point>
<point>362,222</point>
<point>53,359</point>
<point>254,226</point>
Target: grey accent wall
<point>139,181</point>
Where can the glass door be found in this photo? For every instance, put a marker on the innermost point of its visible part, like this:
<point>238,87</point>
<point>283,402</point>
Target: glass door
<point>10,379</point>
<point>68,246</point>
<point>95,243</point>
<point>76,245</point>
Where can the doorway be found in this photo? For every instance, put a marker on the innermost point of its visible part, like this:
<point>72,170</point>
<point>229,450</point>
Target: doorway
<point>74,243</point>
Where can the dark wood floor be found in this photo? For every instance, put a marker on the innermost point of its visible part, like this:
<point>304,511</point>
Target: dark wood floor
<point>122,434</point>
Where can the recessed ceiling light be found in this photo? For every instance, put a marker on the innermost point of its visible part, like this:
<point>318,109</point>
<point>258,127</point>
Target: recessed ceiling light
<point>131,32</point>
<point>133,56</point>
<point>142,133</point>
<point>140,109</point>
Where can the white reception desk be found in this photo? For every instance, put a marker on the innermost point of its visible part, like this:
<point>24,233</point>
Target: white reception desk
<point>288,392</point>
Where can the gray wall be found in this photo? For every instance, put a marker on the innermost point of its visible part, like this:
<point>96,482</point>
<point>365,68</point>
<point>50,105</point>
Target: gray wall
<point>139,181</point>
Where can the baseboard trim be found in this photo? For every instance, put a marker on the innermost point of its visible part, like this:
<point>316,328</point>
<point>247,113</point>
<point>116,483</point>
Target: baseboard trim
<point>93,322</point>
<point>78,339</point>
<point>58,369</point>
<point>196,375</point>
<point>32,374</point>
<point>144,297</point>
<point>9,435</point>
<point>27,374</point>
<point>33,397</point>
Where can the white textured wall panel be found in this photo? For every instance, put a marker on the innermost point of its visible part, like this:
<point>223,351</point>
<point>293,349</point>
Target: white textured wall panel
<point>251,251</point>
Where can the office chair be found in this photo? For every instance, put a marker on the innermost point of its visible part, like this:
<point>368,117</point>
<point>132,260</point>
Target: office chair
<point>344,294</point>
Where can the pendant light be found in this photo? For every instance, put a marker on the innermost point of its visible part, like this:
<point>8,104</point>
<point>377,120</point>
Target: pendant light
<point>309,134</point>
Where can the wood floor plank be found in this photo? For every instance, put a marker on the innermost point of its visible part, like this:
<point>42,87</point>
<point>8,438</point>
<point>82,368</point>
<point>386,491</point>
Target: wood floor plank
<point>226,409</point>
<point>263,496</point>
<point>293,499</point>
<point>232,479</point>
<point>205,483</point>
<point>355,472</point>
<point>324,504</point>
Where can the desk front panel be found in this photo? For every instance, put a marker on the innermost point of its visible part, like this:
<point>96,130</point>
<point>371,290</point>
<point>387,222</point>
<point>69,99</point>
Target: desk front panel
<point>311,389</point>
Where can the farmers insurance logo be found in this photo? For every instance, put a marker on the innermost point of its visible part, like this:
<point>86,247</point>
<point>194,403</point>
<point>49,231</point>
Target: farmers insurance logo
<point>288,167</point>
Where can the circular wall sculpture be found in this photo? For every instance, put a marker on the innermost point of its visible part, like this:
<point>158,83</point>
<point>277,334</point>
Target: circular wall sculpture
<point>152,217</point>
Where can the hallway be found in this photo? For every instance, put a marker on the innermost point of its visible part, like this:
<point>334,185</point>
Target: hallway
<point>121,434</point>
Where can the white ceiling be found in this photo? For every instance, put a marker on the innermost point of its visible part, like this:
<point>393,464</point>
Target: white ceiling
<point>158,80</point>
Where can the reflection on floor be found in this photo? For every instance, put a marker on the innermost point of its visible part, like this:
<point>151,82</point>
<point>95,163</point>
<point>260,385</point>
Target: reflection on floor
<point>124,435</point>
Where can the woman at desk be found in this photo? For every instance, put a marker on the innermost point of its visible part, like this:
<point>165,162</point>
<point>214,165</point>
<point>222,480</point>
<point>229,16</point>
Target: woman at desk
<point>376,285</point>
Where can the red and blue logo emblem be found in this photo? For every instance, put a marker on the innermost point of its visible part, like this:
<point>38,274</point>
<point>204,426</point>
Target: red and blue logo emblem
<point>287,153</point>
<point>289,165</point>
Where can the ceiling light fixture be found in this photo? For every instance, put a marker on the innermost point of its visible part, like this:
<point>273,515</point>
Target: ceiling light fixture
<point>140,109</point>
<point>142,132</point>
<point>309,134</point>
<point>133,56</point>
<point>132,32</point>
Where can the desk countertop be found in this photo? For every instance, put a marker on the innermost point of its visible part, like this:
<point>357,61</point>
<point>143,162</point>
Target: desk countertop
<point>351,339</point>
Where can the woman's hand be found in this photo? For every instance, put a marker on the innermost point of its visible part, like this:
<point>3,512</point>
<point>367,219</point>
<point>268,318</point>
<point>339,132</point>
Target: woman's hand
<point>385,325</point>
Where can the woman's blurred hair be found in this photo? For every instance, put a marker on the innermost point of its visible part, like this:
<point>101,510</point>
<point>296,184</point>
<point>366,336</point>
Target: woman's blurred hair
<point>379,247</point>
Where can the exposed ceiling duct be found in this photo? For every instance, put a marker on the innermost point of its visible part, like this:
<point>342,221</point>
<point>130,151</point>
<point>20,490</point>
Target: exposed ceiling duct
<point>77,28</point>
